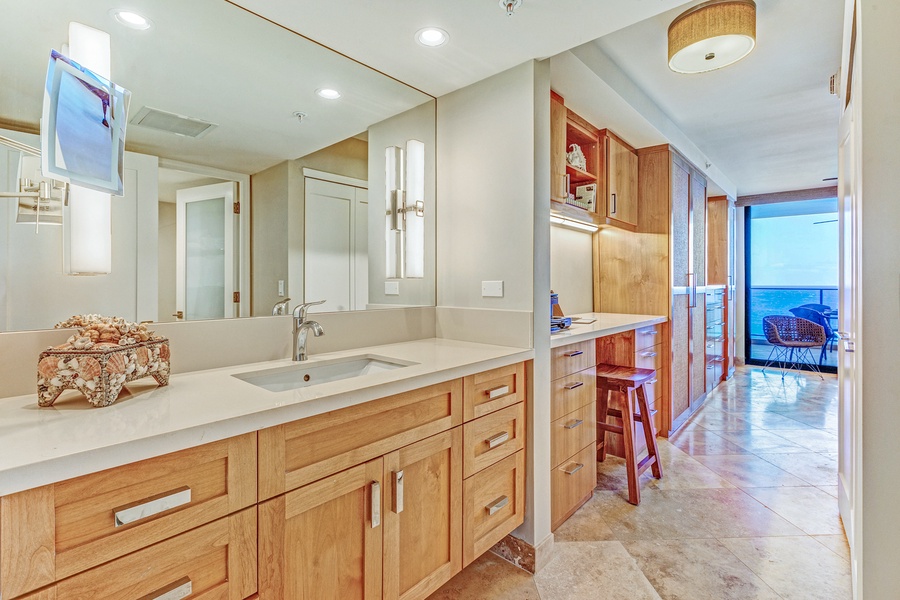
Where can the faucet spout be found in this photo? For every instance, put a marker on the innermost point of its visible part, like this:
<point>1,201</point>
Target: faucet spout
<point>302,327</point>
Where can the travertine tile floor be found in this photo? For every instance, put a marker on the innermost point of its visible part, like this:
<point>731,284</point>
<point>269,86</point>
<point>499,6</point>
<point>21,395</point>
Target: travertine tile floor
<point>746,509</point>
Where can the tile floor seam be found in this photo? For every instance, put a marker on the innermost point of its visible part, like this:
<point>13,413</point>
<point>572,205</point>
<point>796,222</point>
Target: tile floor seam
<point>749,568</point>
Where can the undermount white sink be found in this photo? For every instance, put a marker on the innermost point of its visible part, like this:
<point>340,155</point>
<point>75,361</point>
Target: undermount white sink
<point>305,374</point>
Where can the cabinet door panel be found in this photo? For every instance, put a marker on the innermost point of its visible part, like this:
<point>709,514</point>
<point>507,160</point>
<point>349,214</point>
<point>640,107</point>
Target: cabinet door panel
<point>680,400</point>
<point>320,542</point>
<point>423,516</point>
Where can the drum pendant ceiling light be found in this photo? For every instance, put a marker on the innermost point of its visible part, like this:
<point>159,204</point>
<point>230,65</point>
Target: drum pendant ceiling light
<point>712,35</point>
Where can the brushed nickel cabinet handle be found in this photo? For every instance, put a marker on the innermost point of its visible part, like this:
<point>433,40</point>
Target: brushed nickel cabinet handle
<point>849,346</point>
<point>174,591</point>
<point>398,492</point>
<point>649,332</point>
<point>497,392</point>
<point>376,504</point>
<point>152,506</point>
<point>497,505</point>
<point>574,424</point>
<point>497,440</point>
<point>574,353</point>
<point>573,470</point>
<point>710,366</point>
<point>575,385</point>
<point>648,354</point>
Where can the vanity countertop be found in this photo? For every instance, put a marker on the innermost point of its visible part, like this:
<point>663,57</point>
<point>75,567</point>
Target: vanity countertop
<point>39,446</point>
<point>604,324</point>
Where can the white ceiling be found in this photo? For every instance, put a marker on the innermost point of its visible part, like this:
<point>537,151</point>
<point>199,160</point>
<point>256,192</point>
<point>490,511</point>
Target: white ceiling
<point>767,122</point>
<point>483,40</point>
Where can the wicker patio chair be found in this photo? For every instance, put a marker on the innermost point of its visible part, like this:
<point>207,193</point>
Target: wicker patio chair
<point>791,339</point>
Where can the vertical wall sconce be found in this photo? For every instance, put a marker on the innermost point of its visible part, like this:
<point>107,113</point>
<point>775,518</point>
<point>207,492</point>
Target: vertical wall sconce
<point>405,215</point>
<point>87,233</point>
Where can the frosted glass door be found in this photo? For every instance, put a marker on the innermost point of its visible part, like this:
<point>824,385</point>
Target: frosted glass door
<point>205,248</point>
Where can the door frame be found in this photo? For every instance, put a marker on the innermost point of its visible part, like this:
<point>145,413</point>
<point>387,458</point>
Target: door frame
<point>243,196</point>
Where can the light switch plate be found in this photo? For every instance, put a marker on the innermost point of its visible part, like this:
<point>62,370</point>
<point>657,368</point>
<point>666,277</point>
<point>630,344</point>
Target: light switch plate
<point>391,288</point>
<point>492,289</point>
<point>281,288</point>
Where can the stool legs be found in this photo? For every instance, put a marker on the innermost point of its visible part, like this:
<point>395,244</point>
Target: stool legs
<point>602,409</point>
<point>649,431</point>
<point>631,466</point>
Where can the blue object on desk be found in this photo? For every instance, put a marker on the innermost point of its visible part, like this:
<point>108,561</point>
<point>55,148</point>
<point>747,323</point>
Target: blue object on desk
<point>560,323</point>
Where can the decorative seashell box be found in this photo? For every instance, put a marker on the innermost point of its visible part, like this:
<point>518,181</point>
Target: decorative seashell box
<point>104,355</point>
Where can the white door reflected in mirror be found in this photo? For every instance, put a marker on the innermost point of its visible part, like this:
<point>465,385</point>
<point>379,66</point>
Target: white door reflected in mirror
<point>205,252</point>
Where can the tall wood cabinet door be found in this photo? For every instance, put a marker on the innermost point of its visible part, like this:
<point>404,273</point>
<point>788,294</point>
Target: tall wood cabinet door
<point>558,188</point>
<point>698,321</point>
<point>623,189</point>
<point>423,516</point>
<point>683,283</point>
<point>324,541</point>
<point>680,371</point>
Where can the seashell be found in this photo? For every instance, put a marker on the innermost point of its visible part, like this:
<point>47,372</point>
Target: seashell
<point>61,364</point>
<point>91,384</point>
<point>89,368</point>
<point>65,373</point>
<point>142,355</point>
<point>116,364</point>
<point>47,367</point>
<point>164,352</point>
<point>56,382</point>
<point>72,364</point>
<point>130,368</point>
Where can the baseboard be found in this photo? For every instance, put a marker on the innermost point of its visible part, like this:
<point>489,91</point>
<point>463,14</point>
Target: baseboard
<point>524,555</point>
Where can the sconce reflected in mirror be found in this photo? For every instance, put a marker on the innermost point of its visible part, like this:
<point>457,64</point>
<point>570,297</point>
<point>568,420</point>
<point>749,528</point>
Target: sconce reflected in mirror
<point>41,199</point>
<point>405,221</point>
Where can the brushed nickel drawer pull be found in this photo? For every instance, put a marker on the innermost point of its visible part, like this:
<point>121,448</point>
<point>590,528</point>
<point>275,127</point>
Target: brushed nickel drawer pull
<point>497,440</point>
<point>648,354</point>
<point>376,504</point>
<point>652,381</point>
<point>710,366</point>
<point>497,392</point>
<point>152,506</point>
<point>714,325</point>
<point>575,385</point>
<point>575,469</point>
<point>174,591</point>
<point>398,492</point>
<point>574,353</point>
<point>497,505</point>
<point>574,424</point>
<point>649,332</point>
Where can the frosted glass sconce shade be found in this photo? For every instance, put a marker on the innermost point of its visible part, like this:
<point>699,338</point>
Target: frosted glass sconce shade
<point>405,210</point>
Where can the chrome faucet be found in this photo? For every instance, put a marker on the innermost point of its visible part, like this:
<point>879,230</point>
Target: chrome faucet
<point>302,328</point>
<point>280,307</point>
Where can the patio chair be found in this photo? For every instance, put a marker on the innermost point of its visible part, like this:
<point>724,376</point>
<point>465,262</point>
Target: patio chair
<point>817,317</point>
<point>790,335</point>
<point>822,308</point>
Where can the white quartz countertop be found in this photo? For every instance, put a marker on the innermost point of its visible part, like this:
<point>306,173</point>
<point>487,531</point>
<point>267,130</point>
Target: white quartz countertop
<point>604,324</point>
<point>39,446</point>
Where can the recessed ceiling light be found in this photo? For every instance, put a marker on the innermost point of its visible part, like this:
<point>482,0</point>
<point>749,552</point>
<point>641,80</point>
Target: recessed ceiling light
<point>328,93</point>
<point>432,37</point>
<point>131,19</point>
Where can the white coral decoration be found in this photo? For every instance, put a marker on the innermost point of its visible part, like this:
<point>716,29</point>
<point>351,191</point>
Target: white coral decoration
<point>93,329</point>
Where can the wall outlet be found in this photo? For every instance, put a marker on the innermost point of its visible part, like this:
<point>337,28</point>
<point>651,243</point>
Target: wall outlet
<point>281,288</point>
<point>491,289</point>
<point>391,288</point>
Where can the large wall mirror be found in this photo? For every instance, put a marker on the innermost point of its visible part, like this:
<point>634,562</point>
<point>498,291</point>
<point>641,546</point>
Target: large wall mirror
<point>246,181</point>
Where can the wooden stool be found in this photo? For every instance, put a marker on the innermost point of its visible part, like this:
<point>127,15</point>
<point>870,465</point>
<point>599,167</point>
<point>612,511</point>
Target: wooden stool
<point>611,378</point>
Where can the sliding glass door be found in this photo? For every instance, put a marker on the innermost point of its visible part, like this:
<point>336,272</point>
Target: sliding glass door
<point>792,272</point>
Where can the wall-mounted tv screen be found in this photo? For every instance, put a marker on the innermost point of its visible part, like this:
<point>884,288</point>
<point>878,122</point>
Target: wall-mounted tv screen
<point>83,127</point>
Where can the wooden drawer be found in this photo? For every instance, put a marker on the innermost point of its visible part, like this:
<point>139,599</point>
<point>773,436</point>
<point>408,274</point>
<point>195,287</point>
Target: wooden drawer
<point>645,337</point>
<point>571,484</point>
<point>492,390</point>
<point>573,358</point>
<point>649,358</point>
<point>58,530</point>
<point>215,561</point>
<point>573,432</point>
<point>571,393</point>
<point>493,437</point>
<point>304,451</point>
<point>493,505</point>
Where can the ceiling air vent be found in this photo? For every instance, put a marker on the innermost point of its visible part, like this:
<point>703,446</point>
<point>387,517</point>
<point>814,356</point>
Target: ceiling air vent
<point>172,123</point>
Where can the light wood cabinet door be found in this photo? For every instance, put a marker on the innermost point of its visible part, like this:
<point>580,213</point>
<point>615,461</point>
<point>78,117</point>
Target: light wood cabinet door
<point>492,390</point>
<point>324,541</point>
<point>423,516</point>
<point>572,484</point>
<point>558,188</point>
<point>623,188</point>
<point>492,437</point>
<point>493,505</point>
<point>214,562</point>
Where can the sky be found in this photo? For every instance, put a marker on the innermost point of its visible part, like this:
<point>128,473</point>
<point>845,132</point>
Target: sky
<point>794,250</point>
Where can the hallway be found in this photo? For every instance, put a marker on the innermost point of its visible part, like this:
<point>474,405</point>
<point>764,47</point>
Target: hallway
<point>747,509</point>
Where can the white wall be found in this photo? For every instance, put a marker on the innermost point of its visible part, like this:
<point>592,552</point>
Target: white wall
<point>879,332</point>
<point>269,239</point>
<point>572,269</point>
<point>493,224</point>
<point>167,260</point>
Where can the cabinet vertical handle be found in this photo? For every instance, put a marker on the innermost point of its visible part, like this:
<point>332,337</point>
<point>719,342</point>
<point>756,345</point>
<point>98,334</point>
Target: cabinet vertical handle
<point>613,211</point>
<point>497,440</point>
<point>398,492</point>
<point>152,506</point>
<point>497,504</point>
<point>692,301</point>
<point>376,504</point>
<point>497,392</point>
<point>174,591</point>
